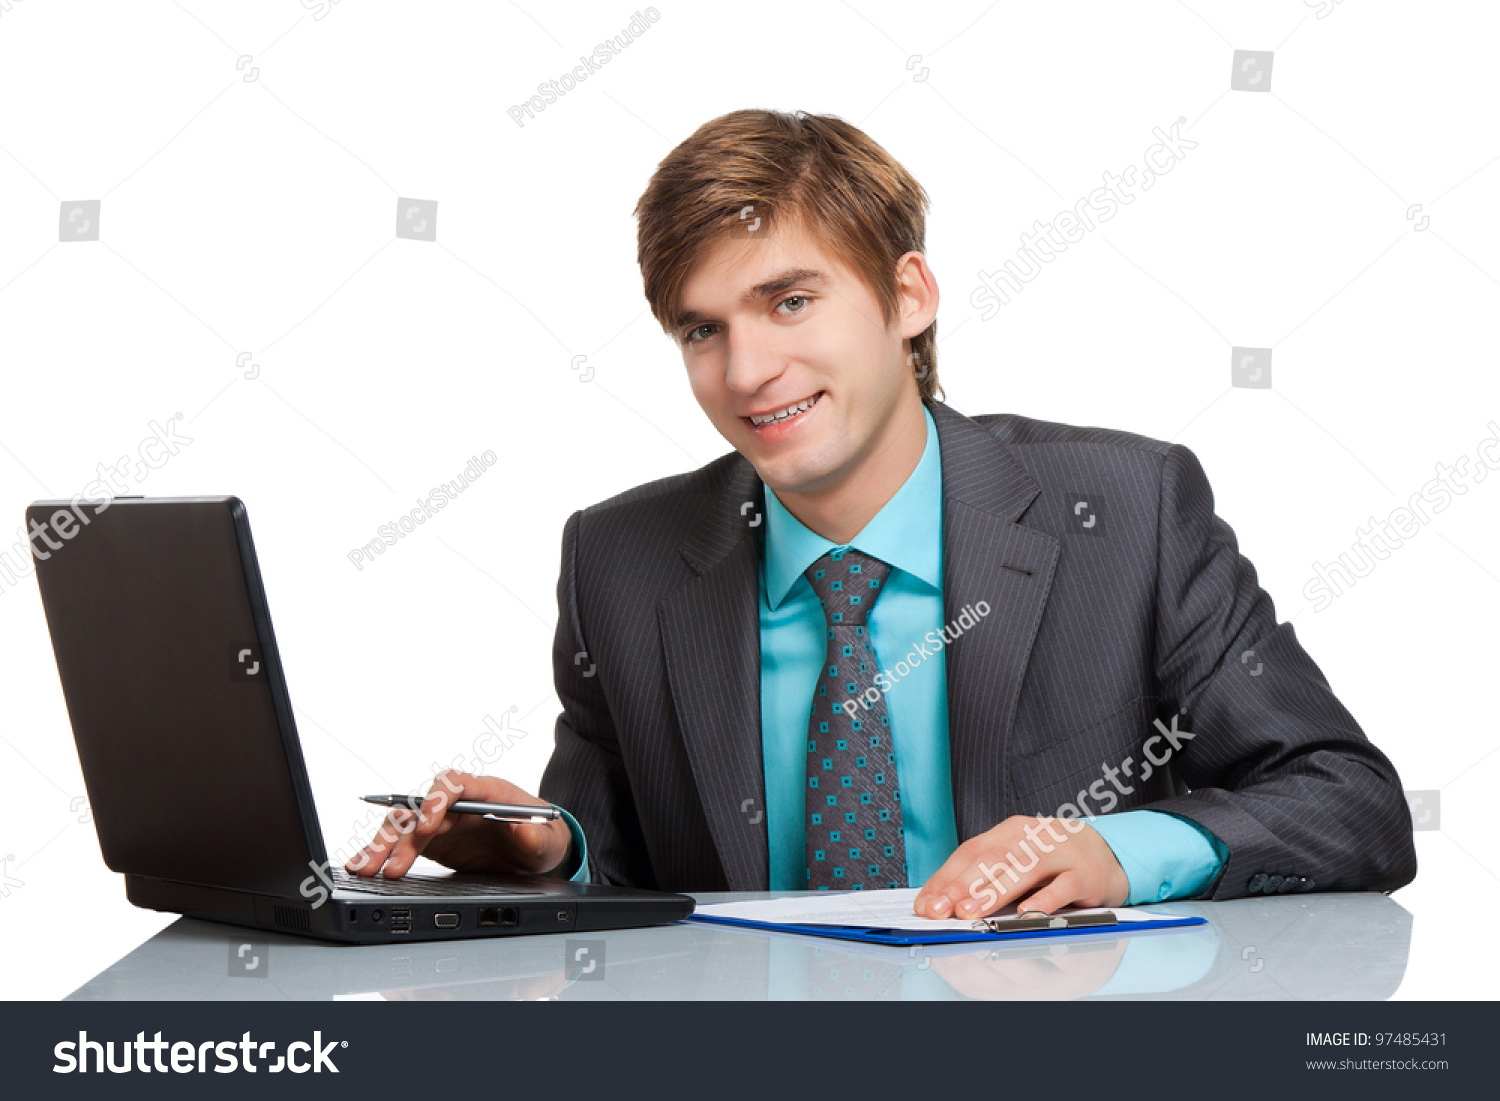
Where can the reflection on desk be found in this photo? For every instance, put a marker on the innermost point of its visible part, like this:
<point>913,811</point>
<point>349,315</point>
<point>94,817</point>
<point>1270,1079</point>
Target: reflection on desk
<point>1296,947</point>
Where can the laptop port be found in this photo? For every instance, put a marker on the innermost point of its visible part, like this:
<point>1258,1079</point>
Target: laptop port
<point>445,921</point>
<point>505,915</point>
<point>400,919</point>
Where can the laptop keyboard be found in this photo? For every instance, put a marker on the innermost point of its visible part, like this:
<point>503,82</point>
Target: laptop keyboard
<point>420,886</point>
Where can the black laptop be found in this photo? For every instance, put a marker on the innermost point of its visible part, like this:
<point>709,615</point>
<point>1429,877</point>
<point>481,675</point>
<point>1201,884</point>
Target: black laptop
<point>190,754</point>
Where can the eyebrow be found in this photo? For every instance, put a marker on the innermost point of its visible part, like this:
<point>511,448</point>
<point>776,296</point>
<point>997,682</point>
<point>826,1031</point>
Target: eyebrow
<point>771,287</point>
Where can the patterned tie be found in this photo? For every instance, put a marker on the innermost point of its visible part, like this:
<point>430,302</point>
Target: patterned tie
<point>853,806</point>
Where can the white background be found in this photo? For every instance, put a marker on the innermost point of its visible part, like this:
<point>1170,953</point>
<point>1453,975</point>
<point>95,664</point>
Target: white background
<point>258,216</point>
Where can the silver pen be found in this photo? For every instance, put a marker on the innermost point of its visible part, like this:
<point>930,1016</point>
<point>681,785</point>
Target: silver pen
<point>499,812</point>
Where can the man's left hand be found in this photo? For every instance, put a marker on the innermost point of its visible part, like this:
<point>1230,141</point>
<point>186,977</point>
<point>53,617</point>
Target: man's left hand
<point>1038,863</point>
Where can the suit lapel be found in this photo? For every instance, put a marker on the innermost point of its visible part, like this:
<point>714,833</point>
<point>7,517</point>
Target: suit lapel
<point>710,631</point>
<point>988,558</point>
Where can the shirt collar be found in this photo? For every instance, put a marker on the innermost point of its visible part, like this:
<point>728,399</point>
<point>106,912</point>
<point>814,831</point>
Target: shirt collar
<point>907,532</point>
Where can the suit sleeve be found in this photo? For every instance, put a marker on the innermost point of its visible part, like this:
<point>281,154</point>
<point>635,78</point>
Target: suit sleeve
<point>586,773</point>
<point>1276,767</point>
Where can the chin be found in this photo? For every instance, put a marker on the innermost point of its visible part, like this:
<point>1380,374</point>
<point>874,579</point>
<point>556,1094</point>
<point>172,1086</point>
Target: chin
<point>787,475</point>
<point>797,469</point>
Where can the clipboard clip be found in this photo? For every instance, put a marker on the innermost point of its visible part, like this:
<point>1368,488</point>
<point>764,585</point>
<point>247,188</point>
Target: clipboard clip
<point>1021,923</point>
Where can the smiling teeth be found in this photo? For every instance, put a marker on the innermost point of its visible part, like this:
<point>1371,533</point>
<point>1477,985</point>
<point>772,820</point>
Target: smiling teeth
<point>783,414</point>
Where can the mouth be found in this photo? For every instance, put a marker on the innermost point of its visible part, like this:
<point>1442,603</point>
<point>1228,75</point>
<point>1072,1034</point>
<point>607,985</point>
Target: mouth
<point>777,418</point>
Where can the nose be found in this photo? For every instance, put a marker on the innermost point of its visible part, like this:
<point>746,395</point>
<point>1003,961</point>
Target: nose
<point>753,361</point>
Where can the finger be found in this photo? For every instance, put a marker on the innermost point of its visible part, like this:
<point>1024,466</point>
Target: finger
<point>542,845</point>
<point>1066,888</point>
<point>359,863</point>
<point>447,787</point>
<point>529,840</point>
<point>369,860</point>
<point>387,839</point>
<point>408,845</point>
<point>1004,878</point>
<point>951,885</point>
<point>1003,885</point>
<point>946,886</point>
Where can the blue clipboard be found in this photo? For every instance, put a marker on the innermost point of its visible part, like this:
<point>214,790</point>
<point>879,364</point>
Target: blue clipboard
<point>901,938</point>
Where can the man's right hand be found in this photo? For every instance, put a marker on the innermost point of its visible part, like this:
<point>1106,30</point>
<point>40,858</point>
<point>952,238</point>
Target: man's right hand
<point>465,842</point>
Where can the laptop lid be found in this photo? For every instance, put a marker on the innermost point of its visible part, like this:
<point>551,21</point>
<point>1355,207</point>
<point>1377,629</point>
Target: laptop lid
<point>175,692</point>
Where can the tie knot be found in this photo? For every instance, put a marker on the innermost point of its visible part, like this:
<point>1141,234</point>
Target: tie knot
<point>848,583</point>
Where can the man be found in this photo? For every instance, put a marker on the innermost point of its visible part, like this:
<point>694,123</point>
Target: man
<point>879,627</point>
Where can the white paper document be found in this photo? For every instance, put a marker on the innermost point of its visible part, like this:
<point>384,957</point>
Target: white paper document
<point>874,909</point>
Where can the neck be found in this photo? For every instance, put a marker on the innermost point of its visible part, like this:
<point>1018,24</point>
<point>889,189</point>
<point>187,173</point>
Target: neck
<point>841,511</point>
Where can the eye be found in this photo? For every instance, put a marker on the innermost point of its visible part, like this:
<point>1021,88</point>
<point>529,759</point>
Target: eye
<point>690,336</point>
<point>802,298</point>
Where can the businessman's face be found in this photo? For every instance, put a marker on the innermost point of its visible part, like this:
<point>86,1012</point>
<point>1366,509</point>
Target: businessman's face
<point>789,355</point>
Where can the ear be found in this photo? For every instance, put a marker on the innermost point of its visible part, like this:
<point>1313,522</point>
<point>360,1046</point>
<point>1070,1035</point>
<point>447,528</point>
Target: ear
<point>916,295</point>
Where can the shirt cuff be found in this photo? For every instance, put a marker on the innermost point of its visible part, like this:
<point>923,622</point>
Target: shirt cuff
<point>1164,856</point>
<point>580,848</point>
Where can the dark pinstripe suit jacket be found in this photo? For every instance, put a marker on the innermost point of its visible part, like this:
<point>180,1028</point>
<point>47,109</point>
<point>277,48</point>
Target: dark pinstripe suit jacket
<point>1093,633</point>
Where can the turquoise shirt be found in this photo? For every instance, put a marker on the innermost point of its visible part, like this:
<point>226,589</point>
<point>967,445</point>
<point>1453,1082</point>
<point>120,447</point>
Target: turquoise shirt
<point>1163,856</point>
<point>906,534</point>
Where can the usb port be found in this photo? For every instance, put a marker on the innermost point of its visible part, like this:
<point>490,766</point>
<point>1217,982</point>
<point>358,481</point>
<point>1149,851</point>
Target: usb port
<point>400,919</point>
<point>445,921</point>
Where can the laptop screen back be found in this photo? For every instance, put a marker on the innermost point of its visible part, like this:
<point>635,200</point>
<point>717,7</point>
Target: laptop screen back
<point>174,690</point>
